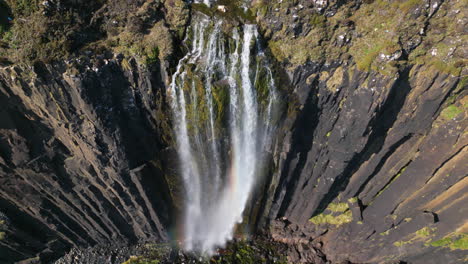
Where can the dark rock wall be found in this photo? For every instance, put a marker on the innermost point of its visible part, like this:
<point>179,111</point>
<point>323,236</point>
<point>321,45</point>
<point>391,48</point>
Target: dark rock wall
<point>380,146</point>
<point>81,157</point>
<point>371,159</point>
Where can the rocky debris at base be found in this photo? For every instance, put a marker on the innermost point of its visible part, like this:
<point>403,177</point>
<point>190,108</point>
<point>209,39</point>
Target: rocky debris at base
<point>259,250</point>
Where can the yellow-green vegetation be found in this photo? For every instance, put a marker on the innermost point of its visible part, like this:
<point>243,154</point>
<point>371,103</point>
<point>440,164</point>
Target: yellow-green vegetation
<point>384,30</point>
<point>244,252</point>
<point>31,35</point>
<point>39,32</point>
<point>408,5</point>
<point>450,112</point>
<point>2,234</point>
<point>197,107</point>
<point>423,234</point>
<point>220,100</point>
<point>460,243</point>
<point>298,50</point>
<point>353,200</point>
<point>457,96</point>
<point>335,80</point>
<point>385,233</point>
<point>125,63</point>
<point>239,252</point>
<point>285,46</point>
<point>262,84</point>
<point>317,20</point>
<point>381,25</point>
<point>140,260</point>
<point>29,39</point>
<point>23,7</point>
<point>402,243</point>
<point>344,215</point>
<point>441,242</point>
<point>442,46</point>
<point>453,241</point>
<point>155,253</point>
<point>338,207</point>
<point>149,48</point>
<point>339,220</point>
<point>369,54</point>
<point>177,16</point>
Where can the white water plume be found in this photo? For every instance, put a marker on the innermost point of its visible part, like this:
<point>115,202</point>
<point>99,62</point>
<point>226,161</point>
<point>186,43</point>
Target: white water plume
<point>223,99</point>
<point>206,2</point>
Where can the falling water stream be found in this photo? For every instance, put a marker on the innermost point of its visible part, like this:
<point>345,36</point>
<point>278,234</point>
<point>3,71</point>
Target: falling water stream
<point>223,98</point>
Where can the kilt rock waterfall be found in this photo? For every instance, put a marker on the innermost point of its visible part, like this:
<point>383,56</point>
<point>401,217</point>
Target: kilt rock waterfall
<point>223,97</point>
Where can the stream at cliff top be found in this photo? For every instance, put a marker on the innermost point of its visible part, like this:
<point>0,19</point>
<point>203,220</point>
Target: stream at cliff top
<point>223,99</point>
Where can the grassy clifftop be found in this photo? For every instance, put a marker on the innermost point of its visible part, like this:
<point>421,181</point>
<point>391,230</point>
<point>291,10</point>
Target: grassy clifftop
<point>47,30</point>
<point>379,35</point>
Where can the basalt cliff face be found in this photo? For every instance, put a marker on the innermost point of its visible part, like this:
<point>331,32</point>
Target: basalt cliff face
<point>369,160</point>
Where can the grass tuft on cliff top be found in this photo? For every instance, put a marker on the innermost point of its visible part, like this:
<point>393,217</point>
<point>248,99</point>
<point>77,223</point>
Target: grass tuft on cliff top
<point>380,36</point>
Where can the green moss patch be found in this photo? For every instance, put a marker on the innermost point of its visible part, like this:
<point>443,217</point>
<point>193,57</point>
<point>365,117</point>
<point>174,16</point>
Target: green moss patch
<point>402,243</point>
<point>149,48</point>
<point>455,241</point>
<point>385,233</point>
<point>384,30</point>
<point>460,243</point>
<point>245,252</point>
<point>339,215</point>
<point>338,207</point>
<point>339,220</point>
<point>140,260</point>
<point>451,112</point>
<point>299,50</point>
<point>441,242</point>
<point>425,232</point>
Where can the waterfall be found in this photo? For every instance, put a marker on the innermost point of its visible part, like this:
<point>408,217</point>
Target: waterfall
<point>223,99</point>
<point>206,2</point>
